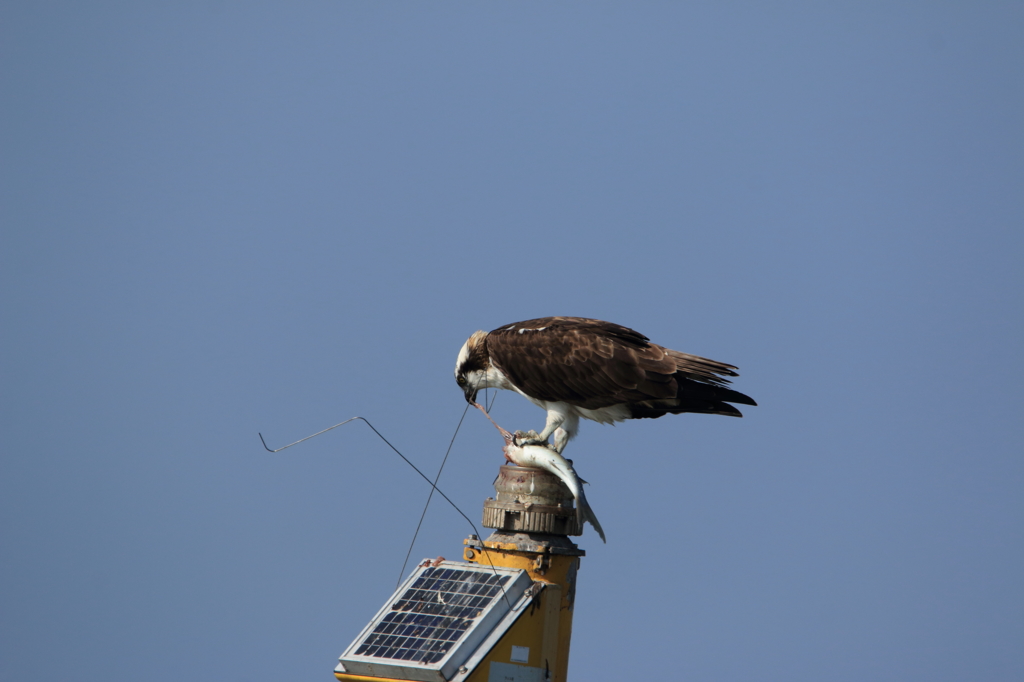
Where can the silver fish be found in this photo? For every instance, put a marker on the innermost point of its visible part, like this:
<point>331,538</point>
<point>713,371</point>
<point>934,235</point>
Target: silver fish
<point>543,457</point>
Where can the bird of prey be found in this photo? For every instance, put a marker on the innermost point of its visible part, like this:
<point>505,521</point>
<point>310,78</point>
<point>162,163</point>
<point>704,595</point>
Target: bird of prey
<point>577,367</point>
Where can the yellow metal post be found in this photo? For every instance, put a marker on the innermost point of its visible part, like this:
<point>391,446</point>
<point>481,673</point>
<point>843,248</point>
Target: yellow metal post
<point>544,631</point>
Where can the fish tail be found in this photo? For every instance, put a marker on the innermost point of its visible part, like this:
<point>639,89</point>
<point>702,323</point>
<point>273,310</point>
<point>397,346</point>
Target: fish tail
<point>584,511</point>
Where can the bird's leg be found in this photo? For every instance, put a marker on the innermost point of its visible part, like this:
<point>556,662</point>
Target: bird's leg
<point>565,431</point>
<point>561,439</point>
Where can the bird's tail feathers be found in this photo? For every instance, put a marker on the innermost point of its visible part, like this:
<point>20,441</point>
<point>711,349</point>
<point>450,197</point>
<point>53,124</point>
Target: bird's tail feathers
<point>727,395</point>
<point>693,396</point>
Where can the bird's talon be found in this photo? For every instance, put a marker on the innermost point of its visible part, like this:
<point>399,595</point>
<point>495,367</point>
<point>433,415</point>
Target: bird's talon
<point>529,438</point>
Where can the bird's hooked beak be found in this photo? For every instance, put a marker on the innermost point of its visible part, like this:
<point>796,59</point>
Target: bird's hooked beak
<point>470,394</point>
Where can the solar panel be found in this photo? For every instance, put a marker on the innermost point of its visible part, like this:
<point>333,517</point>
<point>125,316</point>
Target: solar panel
<point>432,615</point>
<point>435,621</point>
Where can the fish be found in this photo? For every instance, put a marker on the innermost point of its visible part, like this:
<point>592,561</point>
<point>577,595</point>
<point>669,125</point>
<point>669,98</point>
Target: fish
<point>548,459</point>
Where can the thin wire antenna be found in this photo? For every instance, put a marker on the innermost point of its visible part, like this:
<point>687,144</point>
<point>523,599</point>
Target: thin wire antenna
<point>317,434</point>
<point>415,468</point>
<point>489,403</point>
<point>430,497</point>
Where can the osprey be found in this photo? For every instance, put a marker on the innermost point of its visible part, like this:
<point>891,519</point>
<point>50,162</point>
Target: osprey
<point>576,367</point>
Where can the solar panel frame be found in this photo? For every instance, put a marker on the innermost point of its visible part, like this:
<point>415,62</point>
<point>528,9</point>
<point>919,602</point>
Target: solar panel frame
<point>434,621</point>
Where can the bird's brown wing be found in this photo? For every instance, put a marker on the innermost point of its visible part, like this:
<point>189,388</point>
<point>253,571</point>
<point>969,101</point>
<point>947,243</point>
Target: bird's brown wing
<point>593,364</point>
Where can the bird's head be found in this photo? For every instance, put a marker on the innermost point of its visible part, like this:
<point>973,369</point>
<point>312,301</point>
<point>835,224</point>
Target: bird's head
<point>473,366</point>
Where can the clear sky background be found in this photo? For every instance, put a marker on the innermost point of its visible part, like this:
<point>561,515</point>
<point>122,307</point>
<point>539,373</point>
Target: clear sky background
<point>225,218</point>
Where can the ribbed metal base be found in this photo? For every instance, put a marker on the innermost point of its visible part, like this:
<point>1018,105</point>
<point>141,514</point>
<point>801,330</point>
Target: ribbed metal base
<point>534,518</point>
<point>531,501</point>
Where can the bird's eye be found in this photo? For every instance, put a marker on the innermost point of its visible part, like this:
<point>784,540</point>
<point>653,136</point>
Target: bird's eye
<point>461,380</point>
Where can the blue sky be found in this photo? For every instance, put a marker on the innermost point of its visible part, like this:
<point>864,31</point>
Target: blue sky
<point>227,218</point>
